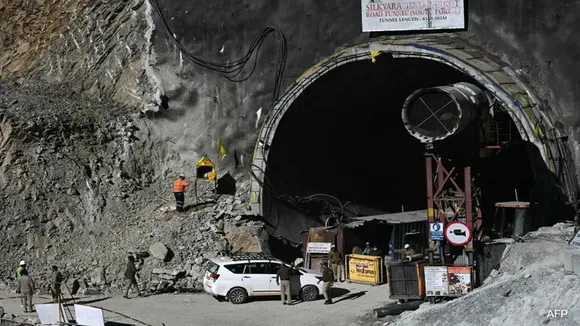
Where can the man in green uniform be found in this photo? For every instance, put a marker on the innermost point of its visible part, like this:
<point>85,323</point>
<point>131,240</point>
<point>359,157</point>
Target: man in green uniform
<point>55,282</point>
<point>130,277</point>
<point>283,280</point>
<point>327,279</point>
<point>337,264</point>
<point>26,288</point>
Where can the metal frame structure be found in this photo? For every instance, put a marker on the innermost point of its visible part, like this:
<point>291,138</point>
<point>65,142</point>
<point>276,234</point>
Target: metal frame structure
<point>445,192</point>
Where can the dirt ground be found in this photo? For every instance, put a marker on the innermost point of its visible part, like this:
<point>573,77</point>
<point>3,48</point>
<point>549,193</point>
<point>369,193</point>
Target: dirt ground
<point>352,302</point>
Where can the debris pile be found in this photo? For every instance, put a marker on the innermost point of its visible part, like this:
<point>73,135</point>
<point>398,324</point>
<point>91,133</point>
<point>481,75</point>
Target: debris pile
<point>16,320</point>
<point>79,189</point>
<point>529,286</point>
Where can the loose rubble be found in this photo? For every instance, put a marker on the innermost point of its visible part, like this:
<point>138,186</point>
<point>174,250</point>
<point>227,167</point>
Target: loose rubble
<point>82,193</point>
<point>529,284</point>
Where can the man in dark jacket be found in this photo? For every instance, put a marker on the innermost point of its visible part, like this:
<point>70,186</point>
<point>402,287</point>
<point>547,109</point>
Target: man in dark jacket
<point>130,277</point>
<point>283,280</point>
<point>55,282</point>
<point>327,279</point>
<point>26,289</point>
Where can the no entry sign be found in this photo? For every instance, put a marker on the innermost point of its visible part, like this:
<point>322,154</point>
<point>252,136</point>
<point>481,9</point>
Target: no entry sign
<point>458,234</point>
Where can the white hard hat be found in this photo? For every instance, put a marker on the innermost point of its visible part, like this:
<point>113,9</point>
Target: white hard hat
<point>333,246</point>
<point>407,246</point>
<point>22,263</point>
<point>181,175</point>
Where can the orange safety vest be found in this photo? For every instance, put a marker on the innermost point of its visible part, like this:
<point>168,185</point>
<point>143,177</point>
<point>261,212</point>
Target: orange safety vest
<point>179,185</point>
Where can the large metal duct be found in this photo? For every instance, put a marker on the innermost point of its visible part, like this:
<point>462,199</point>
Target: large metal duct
<point>432,114</point>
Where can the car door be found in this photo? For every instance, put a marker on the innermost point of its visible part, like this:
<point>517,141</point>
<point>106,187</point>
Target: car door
<point>256,278</point>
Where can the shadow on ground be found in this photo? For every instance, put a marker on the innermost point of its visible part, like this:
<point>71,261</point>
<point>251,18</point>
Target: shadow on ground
<point>71,302</point>
<point>338,292</point>
<point>351,296</point>
<point>114,323</point>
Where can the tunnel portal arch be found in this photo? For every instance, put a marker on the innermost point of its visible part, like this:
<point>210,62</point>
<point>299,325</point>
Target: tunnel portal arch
<point>532,122</point>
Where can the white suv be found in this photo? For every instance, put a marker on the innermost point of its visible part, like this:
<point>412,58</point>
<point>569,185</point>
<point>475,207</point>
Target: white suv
<point>236,278</point>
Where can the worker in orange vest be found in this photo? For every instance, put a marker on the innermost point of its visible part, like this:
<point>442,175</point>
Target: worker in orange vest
<point>178,189</point>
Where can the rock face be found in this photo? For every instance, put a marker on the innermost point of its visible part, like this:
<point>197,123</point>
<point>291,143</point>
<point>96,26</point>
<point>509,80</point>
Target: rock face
<point>79,189</point>
<point>100,45</point>
<point>247,238</point>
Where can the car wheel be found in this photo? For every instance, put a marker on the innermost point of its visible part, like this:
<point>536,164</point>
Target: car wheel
<point>237,296</point>
<point>309,293</point>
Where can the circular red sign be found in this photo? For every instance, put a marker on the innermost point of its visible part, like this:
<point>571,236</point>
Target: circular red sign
<point>455,231</point>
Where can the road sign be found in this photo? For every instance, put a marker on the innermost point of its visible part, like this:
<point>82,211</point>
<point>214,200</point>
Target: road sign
<point>458,234</point>
<point>575,242</point>
<point>436,231</point>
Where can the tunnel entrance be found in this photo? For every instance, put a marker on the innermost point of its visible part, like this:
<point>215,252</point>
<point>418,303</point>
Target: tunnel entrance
<point>335,144</point>
<point>344,137</point>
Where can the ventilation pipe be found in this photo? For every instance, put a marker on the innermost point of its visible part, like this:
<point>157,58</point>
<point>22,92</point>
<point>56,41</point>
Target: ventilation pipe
<point>432,114</point>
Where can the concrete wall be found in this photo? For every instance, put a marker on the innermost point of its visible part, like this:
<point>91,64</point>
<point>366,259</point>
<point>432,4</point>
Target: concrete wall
<point>541,41</point>
<point>537,38</point>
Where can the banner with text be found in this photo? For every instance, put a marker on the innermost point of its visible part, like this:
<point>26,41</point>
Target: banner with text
<point>318,247</point>
<point>410,15</point>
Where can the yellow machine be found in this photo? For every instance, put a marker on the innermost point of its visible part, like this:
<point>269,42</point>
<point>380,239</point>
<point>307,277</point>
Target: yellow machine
<point>205,170</point>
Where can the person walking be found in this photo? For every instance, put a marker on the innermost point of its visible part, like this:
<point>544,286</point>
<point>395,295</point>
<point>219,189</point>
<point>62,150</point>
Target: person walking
<point>178,190</point>
<point>327,279</point>
<point>55,283</point>
<point>26,289</point>
<point>337,264</point>
<point>283,280</point>
<point>130,277</point>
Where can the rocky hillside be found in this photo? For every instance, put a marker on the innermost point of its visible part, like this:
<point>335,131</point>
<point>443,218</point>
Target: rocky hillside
<point>83,183</point>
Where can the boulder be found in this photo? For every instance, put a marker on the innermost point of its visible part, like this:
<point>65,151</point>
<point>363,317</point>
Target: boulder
<point>98,276</point>
<point>159,251</point>
<point>91,292</point>
<point>247,238</point>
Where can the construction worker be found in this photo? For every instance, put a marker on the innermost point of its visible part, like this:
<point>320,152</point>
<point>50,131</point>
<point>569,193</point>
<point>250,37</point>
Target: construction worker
<point>368,249</point>
<point>19,269</point>
<point>55,283</point>
<point>337,262</point>
<point>26,289</point>
<point>283,280</point>
<point>327,279</point>
<point>130,277</point>
<point>178,189</point>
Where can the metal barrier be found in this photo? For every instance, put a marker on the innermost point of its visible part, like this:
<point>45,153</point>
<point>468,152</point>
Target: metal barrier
<point>365,269</point>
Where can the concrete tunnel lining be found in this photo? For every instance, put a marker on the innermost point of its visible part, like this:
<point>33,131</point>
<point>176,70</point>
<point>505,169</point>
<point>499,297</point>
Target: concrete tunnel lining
<point>497,78</point>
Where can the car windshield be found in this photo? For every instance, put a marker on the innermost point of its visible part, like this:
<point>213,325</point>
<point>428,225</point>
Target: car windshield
<point>212,267</point>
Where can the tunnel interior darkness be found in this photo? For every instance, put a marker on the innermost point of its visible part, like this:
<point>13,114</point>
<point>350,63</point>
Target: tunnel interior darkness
<point>344,136</point>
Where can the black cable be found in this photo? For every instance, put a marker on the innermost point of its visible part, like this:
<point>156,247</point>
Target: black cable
<point>231,70</point>
<point>234,69</point>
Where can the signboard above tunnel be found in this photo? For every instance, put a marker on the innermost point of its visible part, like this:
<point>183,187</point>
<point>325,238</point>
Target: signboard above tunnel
<point>412,15</point>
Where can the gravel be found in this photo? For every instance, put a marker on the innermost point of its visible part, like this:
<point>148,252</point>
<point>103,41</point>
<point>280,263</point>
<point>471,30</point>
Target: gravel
<point>202,309</point>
